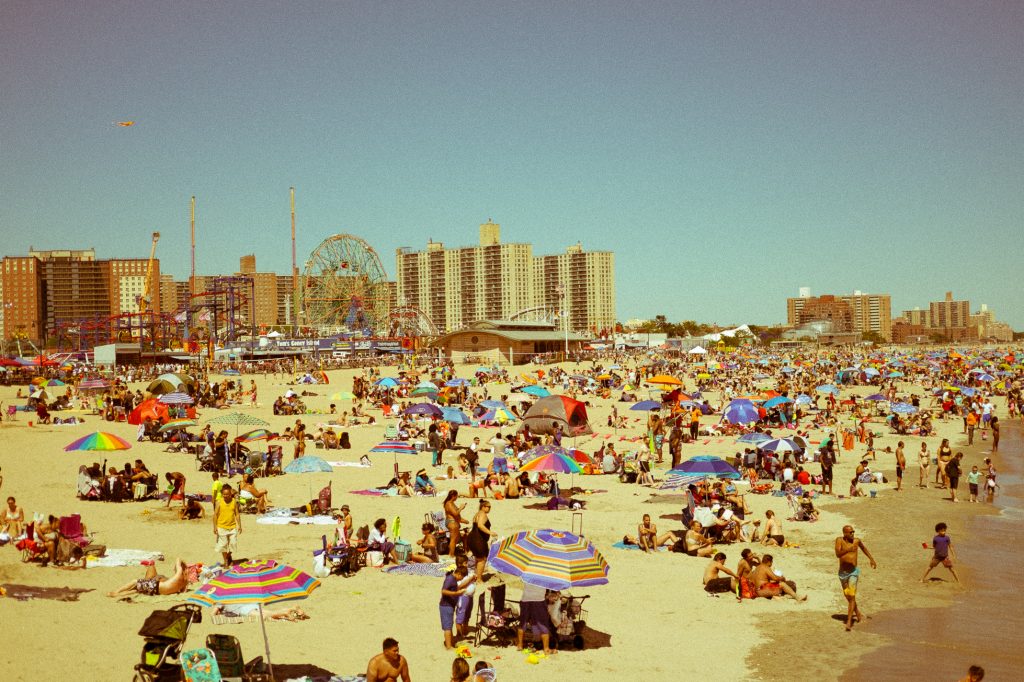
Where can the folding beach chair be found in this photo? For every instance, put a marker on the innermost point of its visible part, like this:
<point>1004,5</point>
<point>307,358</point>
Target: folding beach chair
<point>499,621</point>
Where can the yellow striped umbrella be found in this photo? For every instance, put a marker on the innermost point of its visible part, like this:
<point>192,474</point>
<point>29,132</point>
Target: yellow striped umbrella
<point>553,559</point>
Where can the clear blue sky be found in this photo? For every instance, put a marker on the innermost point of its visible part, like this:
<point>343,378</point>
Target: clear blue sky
<point>728,152</point>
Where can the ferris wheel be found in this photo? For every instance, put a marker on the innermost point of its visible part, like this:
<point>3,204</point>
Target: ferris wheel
<point>344,287</point>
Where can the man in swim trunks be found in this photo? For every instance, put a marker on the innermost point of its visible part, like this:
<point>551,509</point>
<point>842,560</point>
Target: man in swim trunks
<point>849,572</point>
<point>715,583</point>
<point>767,583</point>
<point>388,665</point>
<point>153,584</point>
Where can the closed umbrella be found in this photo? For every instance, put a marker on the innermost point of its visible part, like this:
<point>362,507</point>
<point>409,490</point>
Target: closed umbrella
<point>260,582</point>
<point>553,559</point>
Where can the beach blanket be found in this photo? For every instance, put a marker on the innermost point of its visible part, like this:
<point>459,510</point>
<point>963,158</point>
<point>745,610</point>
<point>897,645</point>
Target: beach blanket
<point>622,545</point>
<point>200,497</point>
<point>332,678</point>
<point>26,592</point>
<point>295,520</point>
<point>372,492</point>
<point>427,570</point>
<point>122,557</point>
<point>349,464</point>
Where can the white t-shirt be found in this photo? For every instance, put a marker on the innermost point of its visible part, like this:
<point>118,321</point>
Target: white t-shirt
<point>533,593</point>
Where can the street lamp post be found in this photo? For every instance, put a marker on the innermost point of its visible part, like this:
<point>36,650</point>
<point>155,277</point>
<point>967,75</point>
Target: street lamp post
<point>562,297</point>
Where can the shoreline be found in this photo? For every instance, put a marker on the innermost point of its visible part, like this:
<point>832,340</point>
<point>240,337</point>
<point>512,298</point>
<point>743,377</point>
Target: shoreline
<point>910,625</point>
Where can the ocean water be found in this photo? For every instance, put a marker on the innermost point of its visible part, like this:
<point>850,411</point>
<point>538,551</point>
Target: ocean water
<point>985,623</point>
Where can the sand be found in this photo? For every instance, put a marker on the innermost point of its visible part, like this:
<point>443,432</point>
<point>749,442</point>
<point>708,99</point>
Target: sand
<point>652,620</point>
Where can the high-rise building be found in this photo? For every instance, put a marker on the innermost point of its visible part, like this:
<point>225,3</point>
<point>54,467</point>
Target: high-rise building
<point>496,280</point>
<point>579,284</point>
<point>23,296</point>
<point>949,314</point>
<point>856,312</point>
<point>917,316</point>
<point>871,313</point>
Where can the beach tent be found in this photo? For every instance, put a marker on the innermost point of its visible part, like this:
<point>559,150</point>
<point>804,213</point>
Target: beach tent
<point>571,414</point>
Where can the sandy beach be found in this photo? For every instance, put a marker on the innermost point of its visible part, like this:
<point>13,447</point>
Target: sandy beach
<point>652,620</point>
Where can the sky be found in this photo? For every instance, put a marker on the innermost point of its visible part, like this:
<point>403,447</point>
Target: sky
<point>728,153</point>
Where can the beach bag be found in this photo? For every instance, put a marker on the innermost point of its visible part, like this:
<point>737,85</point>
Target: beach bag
<point>320,569</point>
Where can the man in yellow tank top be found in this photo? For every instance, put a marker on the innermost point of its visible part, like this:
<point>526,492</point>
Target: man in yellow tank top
<point>227,523</point>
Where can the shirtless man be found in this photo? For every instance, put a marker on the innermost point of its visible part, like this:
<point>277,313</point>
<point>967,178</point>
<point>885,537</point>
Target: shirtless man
<point>773,536</point>
<point>748,561</point>
<point>714,583</point>
<point>647,536</point>
<point>901,465</point>
<point>767,583</point>
<point>153,584</point>
<point>849,572</point>
<point>388,665</point>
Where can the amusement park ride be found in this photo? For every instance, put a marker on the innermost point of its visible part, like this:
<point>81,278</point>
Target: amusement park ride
<point>343,291</point>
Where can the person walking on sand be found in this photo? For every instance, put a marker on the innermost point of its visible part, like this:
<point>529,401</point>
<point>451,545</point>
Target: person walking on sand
<point>901,465</point>
<point>849,573</point>
<point>227,523</point>
<point>942,544</point>
<point>924,460</point>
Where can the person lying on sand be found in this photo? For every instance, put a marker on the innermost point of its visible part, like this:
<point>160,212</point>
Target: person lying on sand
<point>152,584</point>
<point>292,614</point>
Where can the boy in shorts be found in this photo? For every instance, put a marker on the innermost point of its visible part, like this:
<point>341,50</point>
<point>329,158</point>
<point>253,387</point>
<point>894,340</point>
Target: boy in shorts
<point>943,546</point>
<point>973,479</point>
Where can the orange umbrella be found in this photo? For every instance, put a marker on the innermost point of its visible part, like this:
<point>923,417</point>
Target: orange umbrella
<point>665,379</point>
<point>152,408</point>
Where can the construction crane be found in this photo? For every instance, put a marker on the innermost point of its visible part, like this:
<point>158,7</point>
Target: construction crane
<point>147,295</point>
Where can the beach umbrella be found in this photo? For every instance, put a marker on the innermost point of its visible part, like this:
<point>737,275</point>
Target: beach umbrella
<point>176,378</point>
<point>176,398</point>
<point>423,390</point>
<point>708,465</point>
<point>176,424</point>
<point>343,395</point>
<point>894,375</point>
<point>871,372</point>
<point>520,398</point>
<point>151,408</point>
<point>161,386</point>
<point>424,410</point>
<point>428,385</point>
<point>755,437</point>
<point>492,404</point>
<point>550,459</point>
<point>101,440</point>
<point>306,465</point>
<point>51,382</point>
<point>903,408</point>
<point>740,412</point>
<point>665,380</point>
<point>827,388</point>
<point>776,401</point>
<point>876,398</point>
<point>553,559</point>
<point>262,581</point>
<point>676,480</point>
<point>581,457</point>
<point>646,406</point>
<point>40,394</point>
<point>498,414</point>
<point>9,362</point>
<point>237,419</point>
<point>395,447</point>
<point>454,383</point>
<point>804,399</point>
<point>255,435</point>
<point>780,445</point>
<point>92,384</point>
<point>386,382</point>
<point>454,415</point>
<point>538,391</point>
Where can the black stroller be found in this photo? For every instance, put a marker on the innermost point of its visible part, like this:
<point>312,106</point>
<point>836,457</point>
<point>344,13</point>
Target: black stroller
<point>164,633</point>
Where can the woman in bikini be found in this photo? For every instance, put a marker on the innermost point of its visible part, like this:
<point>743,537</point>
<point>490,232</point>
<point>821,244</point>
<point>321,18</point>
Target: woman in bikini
<point>453,520</point>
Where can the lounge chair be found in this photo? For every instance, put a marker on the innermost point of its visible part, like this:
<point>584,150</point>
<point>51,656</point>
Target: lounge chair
<point>339,559</point>
<point>31,548</point>
<point>499,621</point>
<point>391,432</point>
<point>200,665</point>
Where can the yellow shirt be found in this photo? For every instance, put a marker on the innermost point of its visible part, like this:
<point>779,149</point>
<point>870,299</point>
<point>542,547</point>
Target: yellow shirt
<point>227,514</point>
<point>217,485</point>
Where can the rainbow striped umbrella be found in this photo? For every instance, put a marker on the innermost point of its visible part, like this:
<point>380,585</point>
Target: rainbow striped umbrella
<point>254,435</point>
<point>395,446</point>
<point>553,559</point>
<point>101,440</point>
<point>551,459</point>
<point>263,581</point>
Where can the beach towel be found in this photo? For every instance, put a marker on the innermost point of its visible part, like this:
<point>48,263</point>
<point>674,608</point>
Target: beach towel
<point>622,545</point>
<point>358,465</point>
<point>372,492</point>
<point>122,557</point>
<point>427,570</point>
<point>281,520</point>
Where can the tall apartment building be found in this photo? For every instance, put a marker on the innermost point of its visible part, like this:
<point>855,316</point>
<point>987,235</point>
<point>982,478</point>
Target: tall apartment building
<point>128,285</point>
<point>496,280</point>
<point>949,314</point>
<point>917,316</point>
<point>856,312</point>
<point>263,306</point>
<point>582,284</point>
<point>23,294</point>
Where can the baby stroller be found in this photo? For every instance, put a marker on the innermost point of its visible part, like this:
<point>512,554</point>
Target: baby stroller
<point>164,634</point>
<point>574,621</point>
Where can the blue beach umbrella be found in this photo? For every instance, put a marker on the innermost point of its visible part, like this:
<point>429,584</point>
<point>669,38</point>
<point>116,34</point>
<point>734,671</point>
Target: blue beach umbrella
<point>708,465</point>
<point>876,397</point>
<point>903,408</point>
<point>754,438</point>
<point>740,412</point>
<point>454,415</point>
<point>646,406</point>
<point>827,388</point>
<point>537,391</point>
<point>306,465</point>
<point>776,401</point>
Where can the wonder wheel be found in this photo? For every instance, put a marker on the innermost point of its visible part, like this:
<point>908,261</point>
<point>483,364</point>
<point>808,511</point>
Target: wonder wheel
<point>344,288</point>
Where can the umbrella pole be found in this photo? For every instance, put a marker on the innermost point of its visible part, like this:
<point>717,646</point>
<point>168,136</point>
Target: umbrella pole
<point>266,642</point>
